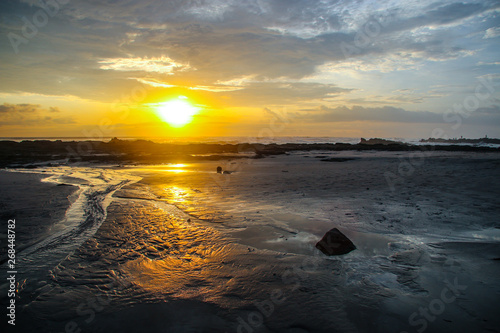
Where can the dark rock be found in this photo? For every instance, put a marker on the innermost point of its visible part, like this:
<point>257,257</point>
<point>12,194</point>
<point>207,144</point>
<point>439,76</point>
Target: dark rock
<point>335,243</point>
<point>219,169</point>
<point>378,141</point>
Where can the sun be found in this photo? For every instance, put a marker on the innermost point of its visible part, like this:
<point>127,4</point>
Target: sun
<point>177,112</point>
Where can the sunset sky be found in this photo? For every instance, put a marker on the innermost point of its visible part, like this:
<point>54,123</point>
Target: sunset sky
<point>249,68</point>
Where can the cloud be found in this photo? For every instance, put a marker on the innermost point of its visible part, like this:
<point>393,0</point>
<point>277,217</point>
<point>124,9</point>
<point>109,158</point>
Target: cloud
<point>395,62</point>
<point>387,114</point>
<point>377,114</point>
<point>398,97</point>
<point>216,88</point>
<point>246,91</point>
<point>495,63</point>
<point>30,114</point>
<point>154,83</point>
<point>435,15</point>
<point>490,110</point>
<point>284,93</point>
<point>163,65</point>
<point>7,108</point>
<point>492,33</point>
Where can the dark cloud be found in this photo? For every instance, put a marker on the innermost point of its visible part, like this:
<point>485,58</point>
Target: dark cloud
<point>21,108</point>
<point>389,114</point>
<point>378,114</point>
<point>493,110</point>
<point>29,115</point>
<point>441,15</point>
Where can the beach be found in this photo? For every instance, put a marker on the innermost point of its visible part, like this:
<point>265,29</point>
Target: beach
<point>36,205</point>
<point>185,249</point>
<point>261,166</point>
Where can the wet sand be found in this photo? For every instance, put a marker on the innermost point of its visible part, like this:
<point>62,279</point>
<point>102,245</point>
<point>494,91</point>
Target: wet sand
<point>35,205</point>
<point>188,250</point>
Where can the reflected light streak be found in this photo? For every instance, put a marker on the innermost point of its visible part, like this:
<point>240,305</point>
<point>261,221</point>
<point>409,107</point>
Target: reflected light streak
<point>175,254</point>
<point>174,170</point>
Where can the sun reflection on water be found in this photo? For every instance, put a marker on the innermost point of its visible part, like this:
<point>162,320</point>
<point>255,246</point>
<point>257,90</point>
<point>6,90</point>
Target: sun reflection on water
<point>178,165</point>
<point>176,168</point>
<point>173,168</point>
<point>177,194</point>
<point>177,254</point>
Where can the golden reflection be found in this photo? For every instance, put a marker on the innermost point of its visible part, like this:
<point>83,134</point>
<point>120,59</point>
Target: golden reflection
<point>175,170</point>
<point>178,195</point>
<point>177,253</point>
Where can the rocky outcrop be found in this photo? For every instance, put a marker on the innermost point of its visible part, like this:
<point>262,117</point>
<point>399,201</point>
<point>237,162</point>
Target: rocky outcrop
<point>377,141</point>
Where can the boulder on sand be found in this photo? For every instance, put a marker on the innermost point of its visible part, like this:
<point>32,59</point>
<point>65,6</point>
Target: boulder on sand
<point>335,243</point>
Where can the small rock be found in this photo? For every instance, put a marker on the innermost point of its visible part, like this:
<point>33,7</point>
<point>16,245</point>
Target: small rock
<point>335,243</point>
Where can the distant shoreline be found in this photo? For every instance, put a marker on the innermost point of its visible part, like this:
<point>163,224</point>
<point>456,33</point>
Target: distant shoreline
<point>463,140</point>
<point>28,153</point>
<point>250,139</point>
